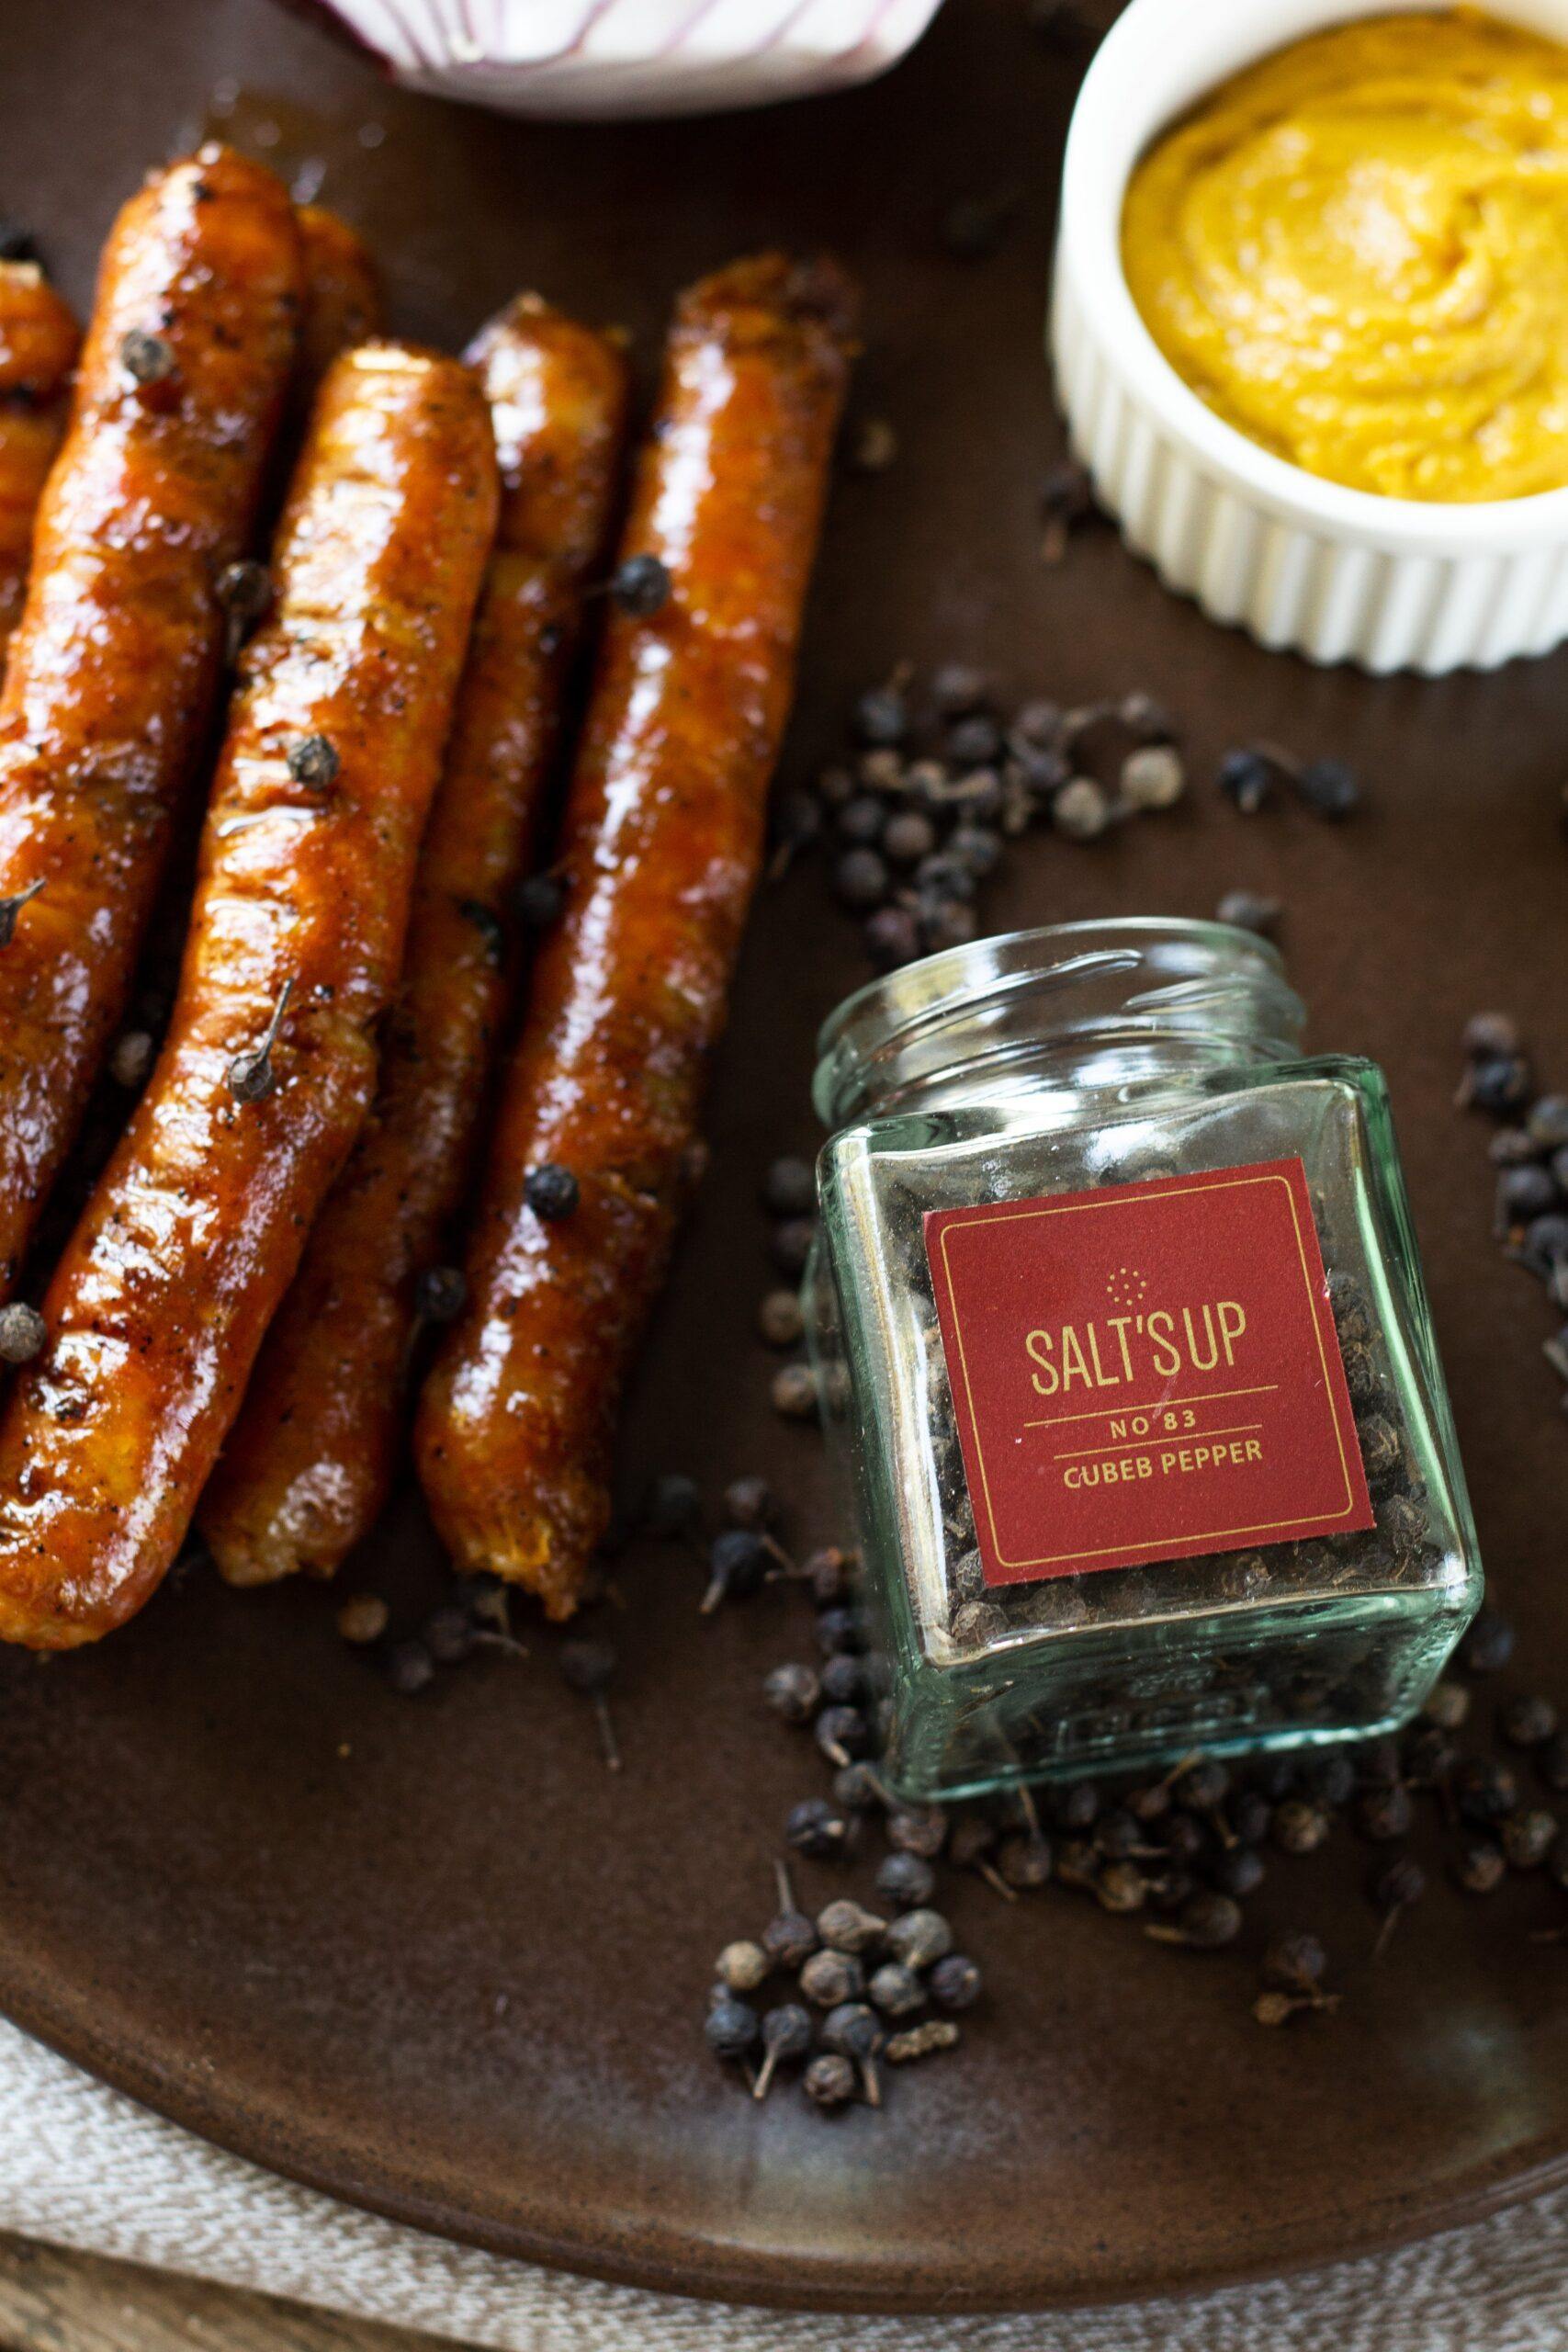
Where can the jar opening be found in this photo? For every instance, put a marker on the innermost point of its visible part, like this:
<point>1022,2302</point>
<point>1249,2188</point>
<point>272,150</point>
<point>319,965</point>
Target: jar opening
<point>1075,1003</point>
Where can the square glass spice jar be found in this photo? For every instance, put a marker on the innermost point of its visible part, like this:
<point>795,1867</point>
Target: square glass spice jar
<point>1127,1362</point>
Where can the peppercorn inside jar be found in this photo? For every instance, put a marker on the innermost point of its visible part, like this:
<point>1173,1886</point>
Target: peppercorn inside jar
<point>1127,1359</point>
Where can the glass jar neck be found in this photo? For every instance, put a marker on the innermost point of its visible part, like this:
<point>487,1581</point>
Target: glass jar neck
<point>1079,1009</point>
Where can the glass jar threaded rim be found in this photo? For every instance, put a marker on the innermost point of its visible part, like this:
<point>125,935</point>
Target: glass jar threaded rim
<point>1068,1004</point>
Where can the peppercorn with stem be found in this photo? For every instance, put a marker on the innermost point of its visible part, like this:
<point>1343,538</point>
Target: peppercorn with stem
<point>855,2030</point>
<point>586,1666</point>
<point>10,908</point>
<point>1205,1922</point>
<point>1394,1888</point>
<point>847,1926</point>
<point>1295,1962</point>
<point>919,1939</point>
<point>737,1563</point>
<point>787,2035</point>
<point>251,1076</point>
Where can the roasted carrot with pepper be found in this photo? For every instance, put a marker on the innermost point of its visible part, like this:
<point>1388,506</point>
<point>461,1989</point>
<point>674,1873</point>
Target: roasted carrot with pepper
<point>312,1456</point>
<point>37,349</point>
<point>195,1230</point>
<point>662,841</point>
<point>114,670</point>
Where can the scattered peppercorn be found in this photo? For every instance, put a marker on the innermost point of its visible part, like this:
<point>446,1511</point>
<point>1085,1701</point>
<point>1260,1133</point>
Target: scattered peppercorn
<point>132,1058</point>
<point>314,761</point>
<point>1247,778</point>
<point>147,358</point>
<point>1479,1864</point>
<point>829,2080</point>
<point>440,1293</point>
<point>640,586</point>
<point>672,1507</point>
<point>1206,1921</point>
<point>410,1668</point>
<point>794,1392</point>
<point>919,1939</point>
<point>23,1333</point>
<point>1294,1961</point>
<point>538,900</point>
<point>818,1829</point>
<point>362,1618</point>
<point>732,2027</point>
<point>737,1564</point>
<point>1527,1836</point>
<point>551,1191</point>
<point>1489,1644</point>
<point>793,1692</point>
<point>1328,787</point>
<point>830,1977</point>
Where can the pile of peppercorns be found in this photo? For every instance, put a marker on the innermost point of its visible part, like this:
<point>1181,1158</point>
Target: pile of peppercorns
<point>1181,1852</point>
<point>1529,1150</point>
<point>862,1978</point>
<point>938,782</point>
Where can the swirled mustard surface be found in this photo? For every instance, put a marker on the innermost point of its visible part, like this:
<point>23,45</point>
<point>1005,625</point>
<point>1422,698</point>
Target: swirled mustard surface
<point>1356,251</point>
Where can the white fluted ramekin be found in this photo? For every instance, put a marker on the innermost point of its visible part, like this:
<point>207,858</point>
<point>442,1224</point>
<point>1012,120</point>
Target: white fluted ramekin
<point>1337,574</point>
<point>596,59</point>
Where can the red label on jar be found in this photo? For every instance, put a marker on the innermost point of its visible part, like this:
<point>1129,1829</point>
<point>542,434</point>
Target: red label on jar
<point>1147,1372</point>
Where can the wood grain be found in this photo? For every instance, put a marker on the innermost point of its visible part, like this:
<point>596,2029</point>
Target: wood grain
<point>54,2301</point>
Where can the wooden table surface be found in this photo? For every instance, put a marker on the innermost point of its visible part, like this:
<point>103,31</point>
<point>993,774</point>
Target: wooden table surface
<point>55,2301</point>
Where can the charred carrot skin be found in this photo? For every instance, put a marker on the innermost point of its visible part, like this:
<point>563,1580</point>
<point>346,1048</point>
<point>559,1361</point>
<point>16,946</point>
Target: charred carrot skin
<point>114,669</point>
<point>38,350</point>
<point>312,1456</point>
<point>195,1230</point>
<point>663,836</point>
<point>342,298</point>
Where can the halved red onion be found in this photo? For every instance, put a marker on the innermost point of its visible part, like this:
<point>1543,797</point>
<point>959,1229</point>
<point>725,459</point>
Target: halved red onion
<point>603,58</point>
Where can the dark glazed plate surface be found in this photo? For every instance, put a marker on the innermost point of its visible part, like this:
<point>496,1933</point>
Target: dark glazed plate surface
<point>426,1954</point>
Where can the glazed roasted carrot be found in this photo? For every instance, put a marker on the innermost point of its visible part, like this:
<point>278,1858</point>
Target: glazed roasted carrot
<point>195,1229</point>
<point>37,349</point>
<point>663,839</point>
<point>343,296</point>
<point>312,1456</point>
<point>114,669</point>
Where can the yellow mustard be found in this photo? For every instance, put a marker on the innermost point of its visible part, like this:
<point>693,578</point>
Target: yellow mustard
<point>1356,251</point>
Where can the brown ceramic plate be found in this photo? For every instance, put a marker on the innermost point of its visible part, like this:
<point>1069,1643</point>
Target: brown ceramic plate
<point>428,1955</point>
